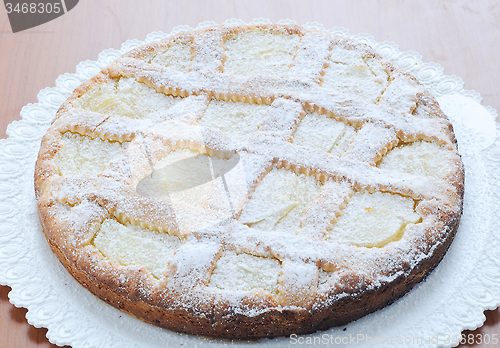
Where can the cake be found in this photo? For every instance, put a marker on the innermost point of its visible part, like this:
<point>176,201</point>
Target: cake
<point>250,181</point>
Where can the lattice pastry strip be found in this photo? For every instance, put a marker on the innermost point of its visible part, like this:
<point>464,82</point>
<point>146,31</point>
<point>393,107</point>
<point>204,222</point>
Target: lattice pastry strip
<point>403,102</point>
<point>125,96</point>
<point>311,57</point>
<point>335,254</point>
<point>81,121</point>
<point>119,128</point>
<point>142,153</point>
<point>294,158</point>
<point>325,210</point>
<point>192,263</point>
<point>119,197</point>
<point>298,284</point>
<point>218,196</point>
<point>80,221</point>
<point>362,176</point>
<point>208,52</point>
<point>371,143</point>
<point>265,89</point>
<point>282,119</point>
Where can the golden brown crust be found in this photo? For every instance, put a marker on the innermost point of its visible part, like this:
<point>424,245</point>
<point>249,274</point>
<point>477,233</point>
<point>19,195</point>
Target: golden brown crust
<point>72,208</point>
<point>268,324</point>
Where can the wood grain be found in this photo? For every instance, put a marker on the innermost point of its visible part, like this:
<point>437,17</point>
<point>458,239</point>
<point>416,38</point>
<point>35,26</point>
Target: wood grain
<point>460,35</point>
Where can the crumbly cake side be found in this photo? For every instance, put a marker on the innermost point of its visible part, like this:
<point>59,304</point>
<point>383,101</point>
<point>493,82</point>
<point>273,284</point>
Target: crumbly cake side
<point>250,181</point>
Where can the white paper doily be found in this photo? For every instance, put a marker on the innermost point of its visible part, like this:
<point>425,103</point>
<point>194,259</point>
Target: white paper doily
<point>433,314</point>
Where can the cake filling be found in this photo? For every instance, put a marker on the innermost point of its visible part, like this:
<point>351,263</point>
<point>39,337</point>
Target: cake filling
<point>245,272</point>
<point>176,56</point>
<point>350,73</point>
<point>82,155</point>
<point>260,53</point>
<point>126,97</point>
<point>280,201</point>
<point>418,158</point>
<point>374,219</point>
<point>134,246</point>
<point>324,133</point>
<point>234,117</point>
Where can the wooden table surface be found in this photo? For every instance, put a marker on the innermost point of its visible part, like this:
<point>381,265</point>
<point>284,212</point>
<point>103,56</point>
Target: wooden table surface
<point>460,35</point>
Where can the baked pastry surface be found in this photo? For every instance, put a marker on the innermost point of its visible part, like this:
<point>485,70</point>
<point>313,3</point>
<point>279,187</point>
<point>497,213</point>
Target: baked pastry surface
<point>250,181</point>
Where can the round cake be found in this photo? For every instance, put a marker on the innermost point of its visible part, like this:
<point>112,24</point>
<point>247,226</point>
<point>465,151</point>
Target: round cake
<point>249,181</point>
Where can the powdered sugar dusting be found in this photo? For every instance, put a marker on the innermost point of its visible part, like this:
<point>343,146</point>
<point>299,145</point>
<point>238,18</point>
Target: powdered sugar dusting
<point>318,201</point>
<point>311,56</point>
<point>131,245</point>
<point>260,52</point>
<point>244,272</point>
